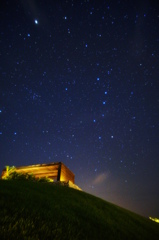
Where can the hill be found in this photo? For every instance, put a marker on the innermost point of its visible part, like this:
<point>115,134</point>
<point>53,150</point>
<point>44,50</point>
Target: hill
<point>32,210</point>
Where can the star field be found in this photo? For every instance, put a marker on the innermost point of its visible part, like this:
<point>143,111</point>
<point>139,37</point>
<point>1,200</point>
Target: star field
<point>79,84</point>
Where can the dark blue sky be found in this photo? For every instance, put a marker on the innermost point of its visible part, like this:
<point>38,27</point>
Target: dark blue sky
<point>79,84</point>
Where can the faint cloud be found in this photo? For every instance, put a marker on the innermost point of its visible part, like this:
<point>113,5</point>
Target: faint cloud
<point>101,178</point>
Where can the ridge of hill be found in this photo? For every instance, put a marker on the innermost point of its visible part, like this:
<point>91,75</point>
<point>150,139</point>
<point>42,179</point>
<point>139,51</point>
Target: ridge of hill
<point>32,210</point>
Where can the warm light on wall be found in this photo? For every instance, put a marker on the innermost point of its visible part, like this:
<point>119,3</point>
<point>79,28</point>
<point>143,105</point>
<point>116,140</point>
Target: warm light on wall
<point>63,178</point>
<point>56,171</point>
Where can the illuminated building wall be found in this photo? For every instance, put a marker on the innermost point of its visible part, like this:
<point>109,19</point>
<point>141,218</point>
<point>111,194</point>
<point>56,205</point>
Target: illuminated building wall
<point>56,171</point>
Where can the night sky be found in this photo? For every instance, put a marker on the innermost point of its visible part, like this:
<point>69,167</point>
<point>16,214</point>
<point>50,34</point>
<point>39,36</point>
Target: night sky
<point>79,85</point>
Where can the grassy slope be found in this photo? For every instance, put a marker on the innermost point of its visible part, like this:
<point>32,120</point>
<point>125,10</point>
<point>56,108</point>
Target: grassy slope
<point>31,210</point>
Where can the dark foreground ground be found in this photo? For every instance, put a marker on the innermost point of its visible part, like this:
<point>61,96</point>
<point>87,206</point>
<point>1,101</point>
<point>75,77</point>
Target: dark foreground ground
<point>31,210</point>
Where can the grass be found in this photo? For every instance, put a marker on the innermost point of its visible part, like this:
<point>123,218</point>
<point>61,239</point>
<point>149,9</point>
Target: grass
<point>32,210</point>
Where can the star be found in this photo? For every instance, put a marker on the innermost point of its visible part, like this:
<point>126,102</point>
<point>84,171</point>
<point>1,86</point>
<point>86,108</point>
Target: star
<point>36,21</point>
